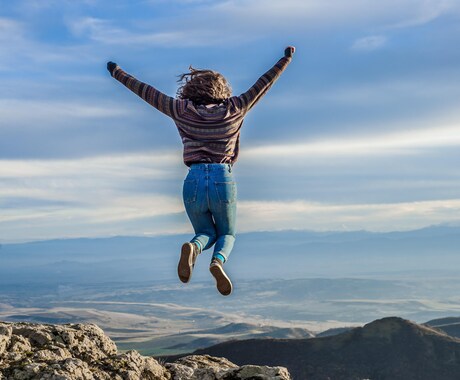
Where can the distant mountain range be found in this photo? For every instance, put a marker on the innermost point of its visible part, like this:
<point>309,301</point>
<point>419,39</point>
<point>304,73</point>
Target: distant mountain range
<point>281,254</point>
<point>386,349</point>
<point>191,340</point>
<point>300,277</point>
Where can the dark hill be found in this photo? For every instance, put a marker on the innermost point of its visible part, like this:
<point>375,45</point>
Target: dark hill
<point>333,331</point>
<point>389,348</point>
<point>193,340</point>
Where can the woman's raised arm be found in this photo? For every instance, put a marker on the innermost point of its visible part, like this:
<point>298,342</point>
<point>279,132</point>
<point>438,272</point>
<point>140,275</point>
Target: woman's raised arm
<point>150,94</point>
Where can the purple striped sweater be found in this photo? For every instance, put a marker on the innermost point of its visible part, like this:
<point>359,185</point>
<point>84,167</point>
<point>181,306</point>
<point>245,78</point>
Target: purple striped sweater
<point>209,134</point>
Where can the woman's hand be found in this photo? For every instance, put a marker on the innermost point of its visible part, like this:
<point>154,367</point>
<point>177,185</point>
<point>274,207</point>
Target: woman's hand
<point>289,51</point>
<point>111,66</point>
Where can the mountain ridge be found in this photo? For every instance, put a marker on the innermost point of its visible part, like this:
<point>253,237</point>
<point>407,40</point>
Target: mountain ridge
<point>432,230</point>
<point>195,339</point>
<point>450,325</point>
<point>143,258</point>
<point>388,348</point>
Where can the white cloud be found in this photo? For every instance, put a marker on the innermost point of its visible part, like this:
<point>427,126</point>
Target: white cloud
<point>32,7</point>
<point>153,165</point>
<point>274,215</point>
<point>88,197</point>
<point>369,43</point>
<point>20,49</point>
<point>10,29</point>
<point>96,189</point>
<point>317,13</point>
<point>433,93</point>
<point>100,192</point>
<point>11,36</point>
<point>108,196</point>
<point>198,23</point>
<point>105,32</point>
<point>430,86</point>
<point>423,12</point>
<point>16,111</point>
<point>114,209</point>
<point>404,142</point>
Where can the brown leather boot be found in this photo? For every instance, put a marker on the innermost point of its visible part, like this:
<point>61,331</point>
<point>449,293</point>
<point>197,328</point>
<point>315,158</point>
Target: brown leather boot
<point>223,283</point>
<point>187,260</point>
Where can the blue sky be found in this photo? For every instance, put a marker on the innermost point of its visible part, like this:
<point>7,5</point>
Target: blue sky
<point>362,131</point>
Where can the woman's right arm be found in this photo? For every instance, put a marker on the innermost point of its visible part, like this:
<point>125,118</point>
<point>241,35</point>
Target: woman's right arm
<point>150,94</point>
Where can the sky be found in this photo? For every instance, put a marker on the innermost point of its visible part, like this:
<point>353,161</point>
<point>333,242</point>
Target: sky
<point>361,132</point>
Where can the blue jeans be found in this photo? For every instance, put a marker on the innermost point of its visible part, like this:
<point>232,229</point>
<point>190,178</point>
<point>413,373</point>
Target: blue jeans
<point>210,201</point>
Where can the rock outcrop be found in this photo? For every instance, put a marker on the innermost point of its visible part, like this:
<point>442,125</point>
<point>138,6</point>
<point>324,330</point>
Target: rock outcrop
<point>84,352</point>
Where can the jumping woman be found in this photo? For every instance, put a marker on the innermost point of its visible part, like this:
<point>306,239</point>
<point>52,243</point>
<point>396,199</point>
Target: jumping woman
<point>209,121</point>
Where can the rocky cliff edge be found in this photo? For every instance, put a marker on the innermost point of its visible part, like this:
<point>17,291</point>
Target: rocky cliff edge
<point>83,352</point>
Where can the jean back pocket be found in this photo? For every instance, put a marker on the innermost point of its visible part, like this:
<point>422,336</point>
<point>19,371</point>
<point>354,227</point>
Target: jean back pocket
<point>190,190</point>
<point>226,191</point>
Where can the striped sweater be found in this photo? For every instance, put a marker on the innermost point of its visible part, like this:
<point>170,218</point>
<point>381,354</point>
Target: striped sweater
<point>209,134</point>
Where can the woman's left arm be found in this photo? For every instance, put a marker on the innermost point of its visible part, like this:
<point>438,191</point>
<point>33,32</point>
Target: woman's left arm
<point>150,94</point>
<point>263,84</point>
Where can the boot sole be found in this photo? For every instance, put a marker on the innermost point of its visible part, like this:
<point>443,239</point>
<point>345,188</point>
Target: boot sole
<point>223,283</point>
<point>185,266</point>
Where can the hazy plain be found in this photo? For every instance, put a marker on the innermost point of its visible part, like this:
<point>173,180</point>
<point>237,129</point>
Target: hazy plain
<point>283,281</point>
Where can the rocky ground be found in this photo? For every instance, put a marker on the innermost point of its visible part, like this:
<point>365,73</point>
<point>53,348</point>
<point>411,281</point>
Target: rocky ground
<point>84,352</point>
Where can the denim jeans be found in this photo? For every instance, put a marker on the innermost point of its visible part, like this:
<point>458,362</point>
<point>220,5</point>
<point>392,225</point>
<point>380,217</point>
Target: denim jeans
<point>209,195</point>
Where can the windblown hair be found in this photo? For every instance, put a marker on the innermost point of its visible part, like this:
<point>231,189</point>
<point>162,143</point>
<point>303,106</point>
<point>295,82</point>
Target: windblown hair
<point>203,87</point>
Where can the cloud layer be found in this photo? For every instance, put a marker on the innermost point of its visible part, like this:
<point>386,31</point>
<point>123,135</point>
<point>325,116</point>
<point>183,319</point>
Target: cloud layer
<point>361,132</point>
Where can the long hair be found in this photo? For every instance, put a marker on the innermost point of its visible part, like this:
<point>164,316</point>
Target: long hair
<point>203,87</point>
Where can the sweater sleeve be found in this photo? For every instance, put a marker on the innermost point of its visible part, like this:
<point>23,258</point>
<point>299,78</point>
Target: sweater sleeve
<point>263,84</point>
<point>150,94</point>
